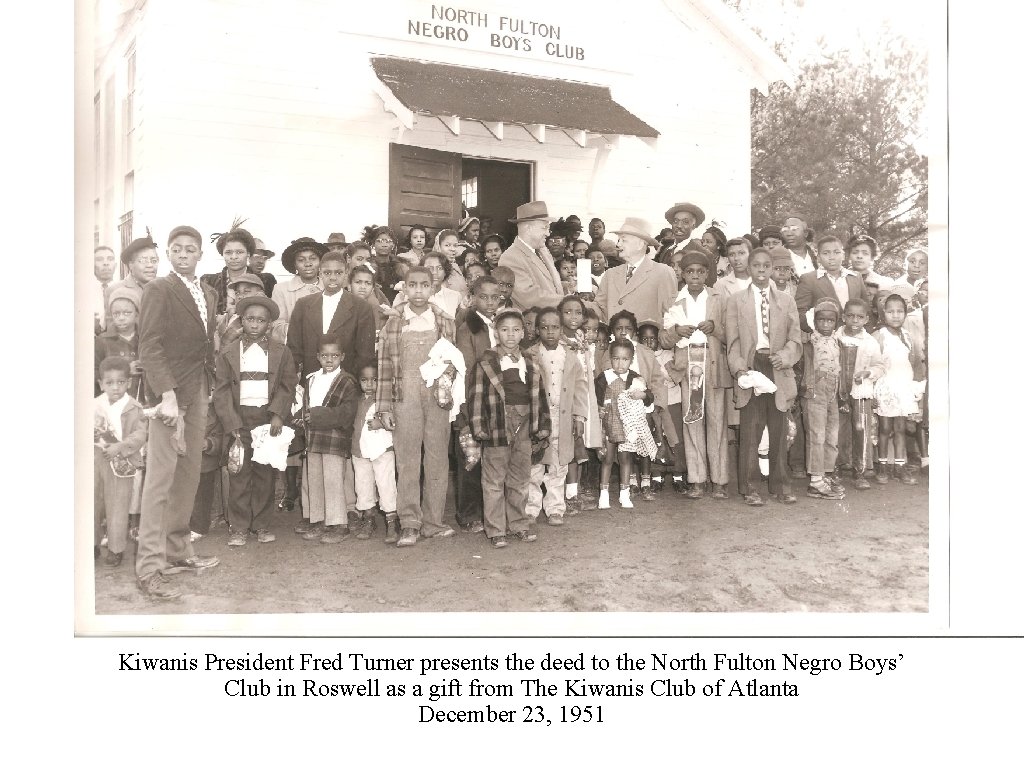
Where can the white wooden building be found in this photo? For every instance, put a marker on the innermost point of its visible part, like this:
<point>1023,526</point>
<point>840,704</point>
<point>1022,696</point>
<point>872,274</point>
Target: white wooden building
<point>313,116</point>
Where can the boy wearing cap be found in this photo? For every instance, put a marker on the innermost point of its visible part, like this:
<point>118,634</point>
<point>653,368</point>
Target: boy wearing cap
<point>121,339</point>
<point>705,441</point>
<point>820,389</point>
<point>763,334</point>
<point>229,327</point>
<point>256,381</point>
<point>176,328</point>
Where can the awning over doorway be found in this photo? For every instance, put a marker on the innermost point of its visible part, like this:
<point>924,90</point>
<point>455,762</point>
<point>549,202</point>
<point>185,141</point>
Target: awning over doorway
<point>494,98</point>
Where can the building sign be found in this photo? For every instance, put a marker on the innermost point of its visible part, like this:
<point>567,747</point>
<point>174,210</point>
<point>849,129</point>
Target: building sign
<point>477,29</point>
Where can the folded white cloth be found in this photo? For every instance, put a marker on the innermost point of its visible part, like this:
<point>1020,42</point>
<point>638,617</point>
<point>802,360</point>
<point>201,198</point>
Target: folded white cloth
<point>757,381</point>
<point>440,356</point>
<point>373,442</point>
<point>267,449</point>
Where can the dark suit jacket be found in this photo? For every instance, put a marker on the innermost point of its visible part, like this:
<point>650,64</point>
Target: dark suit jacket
<point>353,323</point>
<point>175,344</point>
<point>811,288</point>
<point>281,369</point>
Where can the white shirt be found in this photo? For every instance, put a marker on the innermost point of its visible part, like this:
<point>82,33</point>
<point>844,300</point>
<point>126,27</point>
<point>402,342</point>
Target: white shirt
<point>330,307</point>
<point>841,287</point>
<point>424,322</point>
<point>802,264</point>
<point>634,267</point>
<point>250,392</point>
<point>490,328</point>
<point>762,339</point>
<point>695,308</point>
<point>111,412</point>
<point>507,363</point>
<point>320,383</point>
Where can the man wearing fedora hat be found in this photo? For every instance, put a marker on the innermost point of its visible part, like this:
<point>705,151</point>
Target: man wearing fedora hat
<point>258,262</point>
<point>537,282</point>
<point>639,285</point>
<point>684,218</point>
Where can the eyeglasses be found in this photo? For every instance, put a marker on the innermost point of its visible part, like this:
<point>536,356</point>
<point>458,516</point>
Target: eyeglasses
<point>147,260</point>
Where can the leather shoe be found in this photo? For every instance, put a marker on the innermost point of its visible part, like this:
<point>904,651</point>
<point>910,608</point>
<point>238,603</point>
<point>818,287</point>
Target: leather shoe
<point>679,486</point>
<point>860,483</point>
<point>158,588</point>
<point>194,563</point>
<point>409,537</point>
<point>718,491</point>
<point>785,498</point>
<point>753,500</point>
<point>696,491</point>
<point>646,493</point>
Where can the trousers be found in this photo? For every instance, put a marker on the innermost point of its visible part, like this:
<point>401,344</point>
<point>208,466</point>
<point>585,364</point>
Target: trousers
<point>760,411</point>
<point>323,488</point>
<point>169,492</point>
<point>251,490</point>
<point>821,418</point>
<point>505,476</point>
<point>375,482</point>
<point>113,496</point>
<point>552,476</point>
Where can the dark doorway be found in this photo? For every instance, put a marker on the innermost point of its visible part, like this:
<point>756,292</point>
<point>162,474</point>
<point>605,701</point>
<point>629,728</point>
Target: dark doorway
<point>501,186</point>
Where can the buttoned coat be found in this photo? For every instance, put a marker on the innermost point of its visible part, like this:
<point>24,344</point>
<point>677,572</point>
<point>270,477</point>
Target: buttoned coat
<point>811,288</point>
<point>741,323</point>
<point>648,294</point>
<point>353,323</point>
<point>175,343</point>
<point>281,390</point>
<point>537,280</point>
<point>572,401</point>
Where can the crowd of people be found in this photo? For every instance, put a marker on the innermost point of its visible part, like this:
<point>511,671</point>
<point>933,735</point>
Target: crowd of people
<point>530,368</point>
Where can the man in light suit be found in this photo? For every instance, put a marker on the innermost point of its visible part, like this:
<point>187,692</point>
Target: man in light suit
<point>763,334</point>
<point>831,280</point>
<point>176,326</point>
<point>640,285</point>
<point>537,283</point>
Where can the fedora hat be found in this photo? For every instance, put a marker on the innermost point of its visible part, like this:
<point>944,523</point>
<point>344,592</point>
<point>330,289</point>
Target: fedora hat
<point>262,248</point>
<point>533,211</point>
<point>689,207</point>
<point>302,244</point>
<point>637,228</point>
<point>263,301</point>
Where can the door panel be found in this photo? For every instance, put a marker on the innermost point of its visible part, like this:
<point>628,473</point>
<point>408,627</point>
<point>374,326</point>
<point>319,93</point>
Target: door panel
<point>426,188</point>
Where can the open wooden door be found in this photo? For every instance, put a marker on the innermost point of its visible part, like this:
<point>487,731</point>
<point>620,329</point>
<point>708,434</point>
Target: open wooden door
<point>426,188</point>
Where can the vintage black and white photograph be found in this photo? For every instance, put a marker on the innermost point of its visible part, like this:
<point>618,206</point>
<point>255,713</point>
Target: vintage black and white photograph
<point>510,307</point>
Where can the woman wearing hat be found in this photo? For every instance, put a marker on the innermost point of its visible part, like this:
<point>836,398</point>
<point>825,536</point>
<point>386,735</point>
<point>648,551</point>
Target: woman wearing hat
<point>302,259</point>
<point>141,259</point>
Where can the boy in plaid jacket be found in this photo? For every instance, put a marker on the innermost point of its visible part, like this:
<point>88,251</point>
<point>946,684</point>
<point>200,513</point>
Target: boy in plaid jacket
<point>329,404</point>
<point>508,411</point>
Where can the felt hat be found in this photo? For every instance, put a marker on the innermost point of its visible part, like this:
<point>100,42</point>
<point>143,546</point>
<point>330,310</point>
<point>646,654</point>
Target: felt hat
<point>770,230</point>
<point>781,257</point>
<point>123,292</point>
<point>248,277</point>
<point>690,207</point>
<point>136,245</point>
<point>263,301</point>
<point>827,304</point>
<point>693,256</point>
<point>638,228</point>
<point>302,244</point>
<point>698,246</point>
<point>533,211</point>
<point>262,248</point>
<point>184,229</point>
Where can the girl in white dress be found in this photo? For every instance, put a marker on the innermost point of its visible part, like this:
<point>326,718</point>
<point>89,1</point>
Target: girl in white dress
<point>897,395</point>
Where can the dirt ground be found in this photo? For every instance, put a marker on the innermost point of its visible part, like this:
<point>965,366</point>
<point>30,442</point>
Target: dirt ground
<point>868,552</point>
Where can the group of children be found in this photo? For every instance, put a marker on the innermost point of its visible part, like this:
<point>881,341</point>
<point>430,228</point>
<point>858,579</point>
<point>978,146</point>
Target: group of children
<point>534,408</point>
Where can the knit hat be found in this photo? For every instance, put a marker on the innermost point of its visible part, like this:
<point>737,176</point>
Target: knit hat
<point>770,230</point>
<point>123,292</point>
<point>693,256</point>
<point>826,304</point>
<point>248,277</point>
<point>781,257</point>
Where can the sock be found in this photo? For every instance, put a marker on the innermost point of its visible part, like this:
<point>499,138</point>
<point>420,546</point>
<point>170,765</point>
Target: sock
<point>645,482</point>
<point>815,478</point>
<point>624,493</point>
<point>677,477</point>
<point>924,461</point>
<point>604,487</point>
<point>571,489</point>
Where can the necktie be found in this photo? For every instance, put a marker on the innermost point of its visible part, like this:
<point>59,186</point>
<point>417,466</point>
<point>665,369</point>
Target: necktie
<point>629,272</point>
<point>764,311</point>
